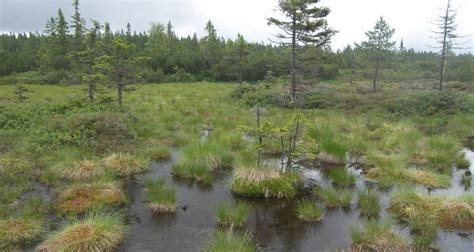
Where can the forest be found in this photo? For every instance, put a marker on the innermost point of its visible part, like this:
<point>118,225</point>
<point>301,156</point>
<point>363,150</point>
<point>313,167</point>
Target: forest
<point>120,140</point>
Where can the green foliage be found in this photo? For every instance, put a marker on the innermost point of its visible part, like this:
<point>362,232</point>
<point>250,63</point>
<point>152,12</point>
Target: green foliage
<point>309,212</point>
<point>232,215</point>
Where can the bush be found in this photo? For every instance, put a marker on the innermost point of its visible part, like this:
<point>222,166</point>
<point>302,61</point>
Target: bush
<point>329,71</point>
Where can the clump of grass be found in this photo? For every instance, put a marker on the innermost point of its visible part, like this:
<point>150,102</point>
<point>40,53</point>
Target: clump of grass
<point>309,212</point>
<point>200,159</point>
<point>368,203</point>
<point>158,153</point>
<point>97,232</point>
<point>230,242</point>
<point>333,198</point>
<point>441,152</point>
<point>20,231</point>
<point>332,151</point>
<point>449,212</point>
<point>10,164</point>
<point>424,226</point>
<point>342,177</point>
<point>377,236</point>
<point>125,164</point>
<point>264,182</point>
<point>82,197</point>
<point>462,162</point>
<point>79,170</point>
<point>161,199</point>
<point>232,215</point>
<point>391,170</point>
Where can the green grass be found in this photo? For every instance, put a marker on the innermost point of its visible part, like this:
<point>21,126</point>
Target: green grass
<point>333,198</point>
<point>264,182</point>
<point>14,231</point>
<point>158,153</point>
<point>462,162</point>
<point>448,212</point>
<point>232,215</point>
<point>200,159</point>
<point>309,212</point>
<point>97,232</point>
<point>79,170</point>
<point>341,177</point>
<point>368,203</point>
<point>230,242</point>
<point>377,236</point>
<point>125,164</point>
<point>161,199</point>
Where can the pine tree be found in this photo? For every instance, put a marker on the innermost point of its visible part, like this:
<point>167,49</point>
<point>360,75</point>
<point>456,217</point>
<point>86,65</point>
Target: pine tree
<point>378,47</point>
<point>304,23</point>
<point>242,50</point>
<point>78,23</point>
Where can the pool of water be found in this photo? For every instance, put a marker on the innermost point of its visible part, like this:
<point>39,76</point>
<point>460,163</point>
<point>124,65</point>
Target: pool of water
<point>273,223</point>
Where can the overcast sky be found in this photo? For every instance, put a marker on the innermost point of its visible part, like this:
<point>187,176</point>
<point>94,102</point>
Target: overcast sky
<point>410,18</point>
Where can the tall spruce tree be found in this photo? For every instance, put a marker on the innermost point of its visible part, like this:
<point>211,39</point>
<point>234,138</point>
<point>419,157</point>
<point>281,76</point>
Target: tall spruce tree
<point>378,47</point>
<point>304,23</point>
<point>242,50</point>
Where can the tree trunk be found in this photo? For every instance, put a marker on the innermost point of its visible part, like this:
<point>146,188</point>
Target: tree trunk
<point>443,52</point>
<point>376,74</point>
<point>293,61</point>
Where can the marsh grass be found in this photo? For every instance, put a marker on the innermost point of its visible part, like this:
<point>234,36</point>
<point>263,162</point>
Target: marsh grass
<point>232,215</point>
<point>309,212</point>
<point>158,153</point>
<point>391,170</point>
<point>341,177</point>
<point>199,160</point>
<point>97,232</point>
<point>79,198</point>
<point>20,231</point>
<point>161,198</point>
<point>424,227</point>
<point>125,164</point>
<point>333,198</point>
<point>461,162</point>
<point>79,170</point>
<point>368,203</point>
<point>264,182</point>
<point>230,242</point>
<point>449,212</point>
<point>377,236</point>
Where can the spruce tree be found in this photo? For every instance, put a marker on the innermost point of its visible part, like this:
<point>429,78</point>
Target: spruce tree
<point>304,23</point>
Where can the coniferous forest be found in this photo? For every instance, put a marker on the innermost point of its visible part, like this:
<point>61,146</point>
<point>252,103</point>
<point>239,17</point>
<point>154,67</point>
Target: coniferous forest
<point>113,139</point>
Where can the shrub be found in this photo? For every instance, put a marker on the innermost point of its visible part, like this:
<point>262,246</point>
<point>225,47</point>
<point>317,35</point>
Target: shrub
<point>161,199</point>
<point>309,212</point>
<point>368,203</point>
<point>230,242</point>
<point>97,232</point>
<point>232,215</point>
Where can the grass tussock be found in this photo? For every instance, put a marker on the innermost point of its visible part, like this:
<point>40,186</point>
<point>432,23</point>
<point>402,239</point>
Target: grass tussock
<point>368,203</point>
<point>79,170</point>
<point>264,182</point>
<point>125,164</point>
<point>82,197</point>
<point>232,215</point>
<point>462,162</point>
<point>446,211</point>
<point>158,153</point>
<point>391,170</point>
<point>377,236</point>
<point>334,198</point>
<point>199,160</point>
<point>97,232</point>
<point>230,242</point>
<point>161,199</point>
<point>341,177</point>
<point>9,164</point>
<point>309,212</point>
<point>20,231</point>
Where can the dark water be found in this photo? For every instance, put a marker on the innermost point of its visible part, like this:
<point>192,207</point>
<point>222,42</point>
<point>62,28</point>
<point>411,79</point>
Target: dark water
<point>272,222</point>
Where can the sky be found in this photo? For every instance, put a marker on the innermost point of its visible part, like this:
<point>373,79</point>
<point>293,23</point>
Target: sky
<point>352,18</point>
